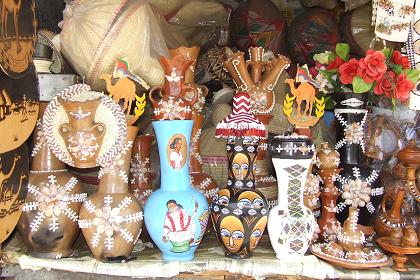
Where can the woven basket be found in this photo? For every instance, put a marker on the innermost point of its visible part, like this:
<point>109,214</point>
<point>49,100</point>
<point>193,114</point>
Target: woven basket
<point>95,33</point>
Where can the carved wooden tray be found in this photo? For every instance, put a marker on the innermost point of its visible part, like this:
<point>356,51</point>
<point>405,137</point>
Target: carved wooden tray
<point>385,244</point>
<point>18,26</point>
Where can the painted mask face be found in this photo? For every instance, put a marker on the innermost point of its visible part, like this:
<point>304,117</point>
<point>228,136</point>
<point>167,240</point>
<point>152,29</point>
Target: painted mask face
<point>257,232</point>
<point>240,166</point>
<point>250,199</point>
<point>232,233</point>
<point>222,197</point>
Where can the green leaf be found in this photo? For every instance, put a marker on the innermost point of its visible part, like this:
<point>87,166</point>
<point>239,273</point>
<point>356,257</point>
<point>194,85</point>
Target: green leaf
<point>360,86</point>
<point>342,50</point>
<point>412,75</point>
<point>387,52</point>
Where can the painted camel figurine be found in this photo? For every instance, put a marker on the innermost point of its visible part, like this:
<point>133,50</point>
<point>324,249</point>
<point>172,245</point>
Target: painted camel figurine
<point>304,92</point>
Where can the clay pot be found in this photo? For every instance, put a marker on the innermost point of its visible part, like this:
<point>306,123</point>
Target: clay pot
<point>48,224</point>
<point>327,158</point>
<point>111,219</point>
<point>173,105</point>
<point>395,236</point>
<point>239,212</point>
<point>82,135</point>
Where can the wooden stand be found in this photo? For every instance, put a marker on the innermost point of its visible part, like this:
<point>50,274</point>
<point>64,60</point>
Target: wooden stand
<point>399,253</point>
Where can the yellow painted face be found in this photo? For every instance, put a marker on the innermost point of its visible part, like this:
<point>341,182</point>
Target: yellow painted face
<point>232,233</point>
<point>250,199</point>
<point>240,166</point>
<point>223,197</point>
<point>257,232</point>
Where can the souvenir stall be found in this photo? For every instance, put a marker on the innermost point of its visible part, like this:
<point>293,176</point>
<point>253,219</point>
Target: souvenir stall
<point>216,139</point>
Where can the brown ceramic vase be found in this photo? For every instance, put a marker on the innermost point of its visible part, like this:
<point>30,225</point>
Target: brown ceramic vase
<point>48,224</point>
<point>111,219</point>
<point>352,237</point>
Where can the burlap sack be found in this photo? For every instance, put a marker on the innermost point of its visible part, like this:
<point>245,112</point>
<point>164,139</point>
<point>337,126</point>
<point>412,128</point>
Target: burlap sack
<point>94,33</point>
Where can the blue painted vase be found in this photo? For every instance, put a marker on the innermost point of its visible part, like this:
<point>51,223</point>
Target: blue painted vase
<point>176,215</point>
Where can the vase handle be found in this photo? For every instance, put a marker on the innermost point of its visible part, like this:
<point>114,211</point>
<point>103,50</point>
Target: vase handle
<point>194,98</point>
<point>152,91</point>
<point>387,196</point>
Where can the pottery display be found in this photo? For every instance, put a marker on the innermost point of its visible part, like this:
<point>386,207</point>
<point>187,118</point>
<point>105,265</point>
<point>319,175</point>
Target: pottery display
<point>291,224</point>
<point>351,115</point>
<point>48,224</point>
<point>173,103</point>
<point>176,214</point>
<point>84,128</point>
<point>18,37</point>
<point>259,84</point>
<point>200,180</point>
<point>399,253</point>
<point>327,161</point>
<point>239,211</point>
<point>111,218</point>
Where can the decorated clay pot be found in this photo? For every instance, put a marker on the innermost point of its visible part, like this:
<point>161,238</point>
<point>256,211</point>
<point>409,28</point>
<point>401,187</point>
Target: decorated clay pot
<point>48,224</point>
<point>173,103</point>
<point>351,237</point>
<point>239,212</point>
<point>111,219</point>
<point>259,84</point>
<point>82,128</point>
<point>351,115</point>
<point>176,215</point>
<point>291,224</point>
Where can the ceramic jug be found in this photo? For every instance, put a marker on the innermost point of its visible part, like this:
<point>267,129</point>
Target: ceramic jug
<point>48,224</point>
<point>291,224</point>
<point>176,214</point>
<point>111,219</point>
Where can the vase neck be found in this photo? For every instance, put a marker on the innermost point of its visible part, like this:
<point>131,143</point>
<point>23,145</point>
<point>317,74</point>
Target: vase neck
<point>173,139</point>
<point>350,135</point>
<point>114,175</point>
<point>242,155</point>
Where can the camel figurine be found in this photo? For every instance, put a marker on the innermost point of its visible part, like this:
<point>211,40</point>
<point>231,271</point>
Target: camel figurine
<point>304,92</point>
<point>11,6</point>
<point>123,88</point>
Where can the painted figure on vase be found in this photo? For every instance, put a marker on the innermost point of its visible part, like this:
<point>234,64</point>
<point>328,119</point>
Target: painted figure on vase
<point>179,226</point>
<point>176,155</point>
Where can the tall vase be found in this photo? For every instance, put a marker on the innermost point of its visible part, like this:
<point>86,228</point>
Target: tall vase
<point>239,212</point>
<point>48,224</point>
<point>176,215</point>
<point>291,224</point>
<point>351,236</point>
<point>392,218</point>
<point>351,114</point>
<point>111,219</point>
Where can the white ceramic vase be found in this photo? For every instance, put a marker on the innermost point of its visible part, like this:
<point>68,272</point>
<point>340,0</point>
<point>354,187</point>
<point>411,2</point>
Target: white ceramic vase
<point>291,224</point>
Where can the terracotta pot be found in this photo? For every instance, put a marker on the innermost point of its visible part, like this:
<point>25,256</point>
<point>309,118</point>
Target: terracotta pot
<point>82,128</point>
<point>111,219</point>
<point>48,224</point>
<point>239,212</point>
<point>173,104</point>
<point>291,224</point>
<point>262,80</point>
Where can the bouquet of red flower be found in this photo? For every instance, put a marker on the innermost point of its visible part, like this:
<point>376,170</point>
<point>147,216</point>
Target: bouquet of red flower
<point>385,72</point>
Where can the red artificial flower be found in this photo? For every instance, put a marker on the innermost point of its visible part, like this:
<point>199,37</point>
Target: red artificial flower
<point>385,85</point>
<point>372,66</point>
<point>335,63</point>
<point>403,87</point>
<point>348,70</point>
<point>398,58</point>
<point>313,71</point>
